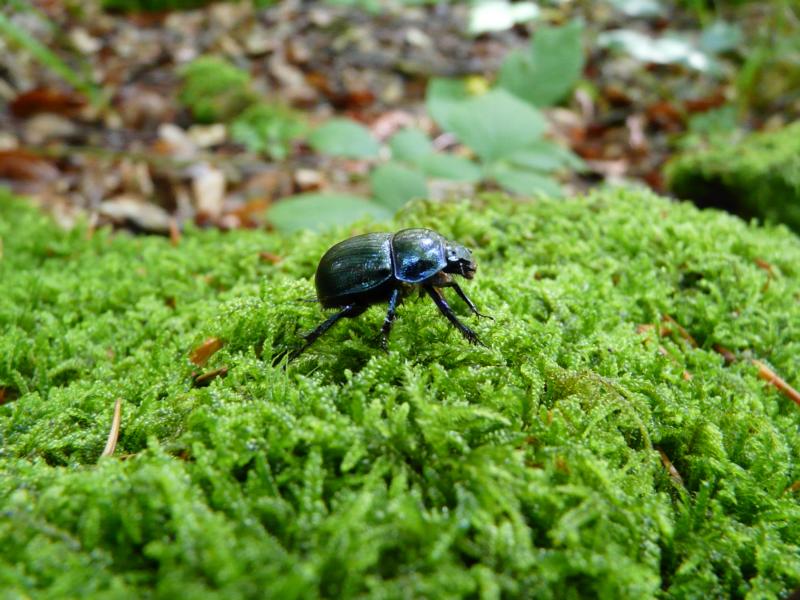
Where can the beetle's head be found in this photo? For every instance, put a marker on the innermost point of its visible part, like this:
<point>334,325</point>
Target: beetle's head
<point>460,261</point>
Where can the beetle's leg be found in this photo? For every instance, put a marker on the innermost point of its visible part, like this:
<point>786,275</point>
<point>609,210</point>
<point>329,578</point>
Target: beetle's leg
<point>351,310</point>
<point>442,280</point>
<point>464,297</point>
<point>445,309</point>
<point>394,300</point>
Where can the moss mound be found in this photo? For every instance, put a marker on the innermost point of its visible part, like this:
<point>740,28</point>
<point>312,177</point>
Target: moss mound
<point>757,177</point>
<point>533,468</point>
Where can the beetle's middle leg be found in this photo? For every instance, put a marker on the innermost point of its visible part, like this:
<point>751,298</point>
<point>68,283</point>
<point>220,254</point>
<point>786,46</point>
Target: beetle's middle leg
<point>445,309</point>
<point>351,310</point>
<point>394,300</point>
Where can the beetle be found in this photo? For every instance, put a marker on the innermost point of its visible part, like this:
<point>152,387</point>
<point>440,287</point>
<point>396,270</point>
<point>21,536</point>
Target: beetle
<point>385,267</point>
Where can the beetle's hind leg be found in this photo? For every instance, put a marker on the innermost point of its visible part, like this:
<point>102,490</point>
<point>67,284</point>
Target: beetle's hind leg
<point>351,310</point>
<point>445,309</point>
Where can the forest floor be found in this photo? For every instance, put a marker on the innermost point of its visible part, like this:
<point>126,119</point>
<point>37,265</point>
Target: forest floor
<point>119,144</point>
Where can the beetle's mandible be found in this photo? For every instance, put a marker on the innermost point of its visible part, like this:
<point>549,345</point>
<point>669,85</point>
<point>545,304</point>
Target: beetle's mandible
<point>384,267</point>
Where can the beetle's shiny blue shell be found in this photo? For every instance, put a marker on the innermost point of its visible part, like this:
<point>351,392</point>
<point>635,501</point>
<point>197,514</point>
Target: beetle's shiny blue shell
<point>418,254</point>
<point>367,266</point>
<point>353,267</point>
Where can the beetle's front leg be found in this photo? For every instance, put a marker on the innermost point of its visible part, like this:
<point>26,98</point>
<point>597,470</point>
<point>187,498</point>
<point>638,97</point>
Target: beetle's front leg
<point>445,309</point>
<point>442,280</point>
<point>464,297</point>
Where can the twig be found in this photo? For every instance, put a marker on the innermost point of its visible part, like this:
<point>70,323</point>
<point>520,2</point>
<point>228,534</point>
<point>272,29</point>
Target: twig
<point>681,330</point>
<point>206,378</point>
<point>674,475</point>
<point>113,434</point>
<point>772,377</point>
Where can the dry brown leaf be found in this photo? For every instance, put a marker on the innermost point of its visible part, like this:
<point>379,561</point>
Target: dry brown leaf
<point>204,351</point>
<point>47,99</point>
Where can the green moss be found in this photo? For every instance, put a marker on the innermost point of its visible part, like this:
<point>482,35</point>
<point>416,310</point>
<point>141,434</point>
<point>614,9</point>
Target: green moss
<point>758,176</point>
<point>214,89</point>
<point>531,468</point>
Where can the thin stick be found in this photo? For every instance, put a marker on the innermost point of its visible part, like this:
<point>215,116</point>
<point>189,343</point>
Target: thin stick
<point>771,376</point>
<point>674,475</point>
<point>113,435</point>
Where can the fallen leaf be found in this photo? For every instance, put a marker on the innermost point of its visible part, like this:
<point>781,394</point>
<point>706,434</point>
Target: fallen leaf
<point>26,166</point>
<point>204,351</point>
<point>269,257</point>
<point>47,99</point>
<point>208,189</point>
<point>134,211</point>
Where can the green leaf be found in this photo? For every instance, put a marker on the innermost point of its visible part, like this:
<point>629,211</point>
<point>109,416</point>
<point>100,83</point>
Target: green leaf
<point>551,67</point>
<point>318,211</point>
<point>524,182</point>
<point>449,166</point>
<point>343,137</point>
<point>393,185</point>
<point>545,155</point>
<point>443,97</point>
<point>410,145</point>
<point>496,124</point>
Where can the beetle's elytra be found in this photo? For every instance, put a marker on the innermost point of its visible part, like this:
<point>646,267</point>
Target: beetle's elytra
<point>384,267</point>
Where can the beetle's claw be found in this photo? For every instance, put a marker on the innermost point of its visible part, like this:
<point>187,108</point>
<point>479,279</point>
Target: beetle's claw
<point>473,338</point>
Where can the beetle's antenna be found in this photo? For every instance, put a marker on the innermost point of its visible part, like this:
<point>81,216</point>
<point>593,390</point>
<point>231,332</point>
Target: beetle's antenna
<point>309,300</point>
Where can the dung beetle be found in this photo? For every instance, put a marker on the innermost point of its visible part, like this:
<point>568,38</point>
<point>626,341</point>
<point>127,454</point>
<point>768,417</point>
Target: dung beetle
<point>385,267</point>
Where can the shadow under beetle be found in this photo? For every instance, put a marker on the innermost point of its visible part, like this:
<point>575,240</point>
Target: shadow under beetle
<point>384,267</point>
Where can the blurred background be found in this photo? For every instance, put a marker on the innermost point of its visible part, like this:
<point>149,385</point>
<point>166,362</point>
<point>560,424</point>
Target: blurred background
<point>150,114</point>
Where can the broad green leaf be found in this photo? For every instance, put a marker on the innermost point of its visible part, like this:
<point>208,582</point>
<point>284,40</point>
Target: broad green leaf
<point>343,137</point>
<point>524,181</point>
<point>545,155</point>
<point>545,74</point>
<point>443,97</point>
<point>410,145</point>
<point>318,211</point>
<point>496,124</point>
<point>449,166</point>
<point>393,185</point>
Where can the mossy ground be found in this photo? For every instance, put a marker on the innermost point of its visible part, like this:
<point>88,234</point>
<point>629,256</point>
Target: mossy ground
<point>756,177</point>
<point>531,468</point>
